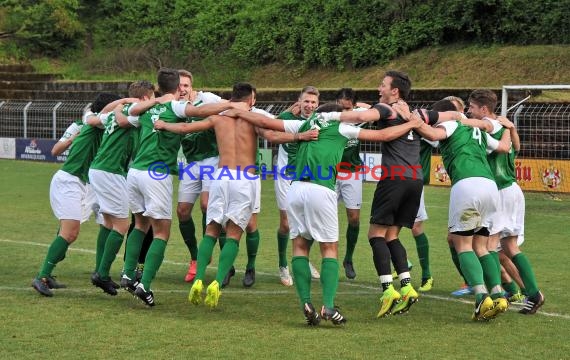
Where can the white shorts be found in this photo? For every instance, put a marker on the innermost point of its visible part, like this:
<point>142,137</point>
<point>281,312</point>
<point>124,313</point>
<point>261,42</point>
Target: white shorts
<point>472,204</point>
<point>230,199</point>
<point>111,191</point>
<point>422,213</point>
<point>312,212</point>
<point>257,201</point>
<point>198,181</point>
<point>520,241</point>
<point>509,220</point>
<point>70,198</point>
<point>91,206</point>
<point>151,197</point>
<point>282,187</point>
<point>349,191</point>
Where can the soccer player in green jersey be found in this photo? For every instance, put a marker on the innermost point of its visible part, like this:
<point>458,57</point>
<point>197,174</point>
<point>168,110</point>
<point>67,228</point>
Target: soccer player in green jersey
<point>149,180</point>
<point>306,104</point>
<point>107,175</point>
<point>508,224</point>
<point>69,191</point>
<point>349,185</point>
<point>312,200</point>
<point>472,200</point>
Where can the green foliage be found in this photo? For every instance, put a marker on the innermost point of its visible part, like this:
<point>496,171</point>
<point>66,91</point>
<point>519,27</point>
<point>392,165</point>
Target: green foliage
<point>246,33</point>
<point>47,27</point>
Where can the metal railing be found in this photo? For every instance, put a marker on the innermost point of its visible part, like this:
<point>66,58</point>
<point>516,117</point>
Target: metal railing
<point>544,128</point>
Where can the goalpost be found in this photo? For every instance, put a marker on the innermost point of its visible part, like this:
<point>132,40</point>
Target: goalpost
<point>544,130</point>
<point>506,88</point>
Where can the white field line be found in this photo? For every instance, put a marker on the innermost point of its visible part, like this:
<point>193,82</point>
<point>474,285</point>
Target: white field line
<point>363,288</point>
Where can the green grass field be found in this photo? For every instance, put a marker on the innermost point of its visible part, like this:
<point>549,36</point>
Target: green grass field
<point>263,321</point>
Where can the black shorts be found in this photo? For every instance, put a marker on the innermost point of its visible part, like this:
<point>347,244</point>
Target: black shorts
<point>396,202</point>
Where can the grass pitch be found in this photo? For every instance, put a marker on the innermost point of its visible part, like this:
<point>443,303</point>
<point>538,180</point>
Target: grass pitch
<point>263,321</point>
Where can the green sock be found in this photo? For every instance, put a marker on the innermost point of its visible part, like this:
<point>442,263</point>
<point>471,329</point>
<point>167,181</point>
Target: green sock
<point>471,268</point>
<point>101,240</point>
<point>222,239</point>
<point>227,257</point>
<point>204,254</point>
<point>153,260</point>
<point>351,240</point>
<point>511,287</point>
<point>527,274</point>
<point>132,251</point>
<point>490,274</point>
<point>252,243</point>
<point>56,253</point>
<point>422,245</point>
<point>495,256</point>
<point>455,259</point>
<point>188,232</point>
<point>329,280</point>
<point>302,275</point>
<point>112,246</point>
<point>282,241</point>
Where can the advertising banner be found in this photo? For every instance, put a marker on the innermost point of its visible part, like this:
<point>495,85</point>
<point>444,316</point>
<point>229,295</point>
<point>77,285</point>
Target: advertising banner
<point>37,150</point>
<point>532,174</point>
<point>7,148</point>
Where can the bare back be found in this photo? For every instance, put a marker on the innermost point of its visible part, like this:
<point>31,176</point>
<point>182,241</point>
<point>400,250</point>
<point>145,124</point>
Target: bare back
<point>237,142</point>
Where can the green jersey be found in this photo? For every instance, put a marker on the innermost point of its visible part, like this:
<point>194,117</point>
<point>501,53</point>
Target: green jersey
<point>426,148</point>
<point>82,152</point>
<point>502,165</point>
<point>351,155</point>
<point>159,146</point>
<point>317,161</point>
<point>287,152</point>
<point>116,147</point>
<point>201,145</point>
<point>464,152</point>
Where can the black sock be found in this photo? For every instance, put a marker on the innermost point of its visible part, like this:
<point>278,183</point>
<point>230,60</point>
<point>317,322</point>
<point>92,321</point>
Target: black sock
<point>380,255</point>
<point>399,256</point>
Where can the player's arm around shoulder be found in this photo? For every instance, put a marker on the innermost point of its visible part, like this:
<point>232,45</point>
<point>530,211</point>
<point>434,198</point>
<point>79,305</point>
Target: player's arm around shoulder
<point>183,128</point>
<point>515,139</point>
<point>67,139</point>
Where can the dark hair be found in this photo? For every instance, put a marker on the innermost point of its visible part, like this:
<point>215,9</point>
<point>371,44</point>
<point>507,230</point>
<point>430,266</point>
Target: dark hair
<point>400,81</point>
<point>141,88</point>
<point>443,105</point>
<point>242,91</point>
<point>484,97</point>
<point>329,107</point>
<point>102,100</point>
<point>346,93</point>
<point>168,80</point>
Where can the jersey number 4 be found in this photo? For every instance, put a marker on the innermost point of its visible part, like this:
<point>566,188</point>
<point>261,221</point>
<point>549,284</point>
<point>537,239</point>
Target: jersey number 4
<point>477,135</point>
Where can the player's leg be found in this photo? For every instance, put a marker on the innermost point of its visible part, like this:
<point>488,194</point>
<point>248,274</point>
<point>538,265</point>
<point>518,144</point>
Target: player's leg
<point>66,198</point>
<point>351,195</point>
<point>382,212</point>
<point>524,267</point>
<point>252,244</point>
<point>422,245</point>
<point>281,189</point>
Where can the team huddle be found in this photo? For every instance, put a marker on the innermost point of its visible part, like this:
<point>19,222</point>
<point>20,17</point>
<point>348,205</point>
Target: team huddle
<point>120,145</point>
